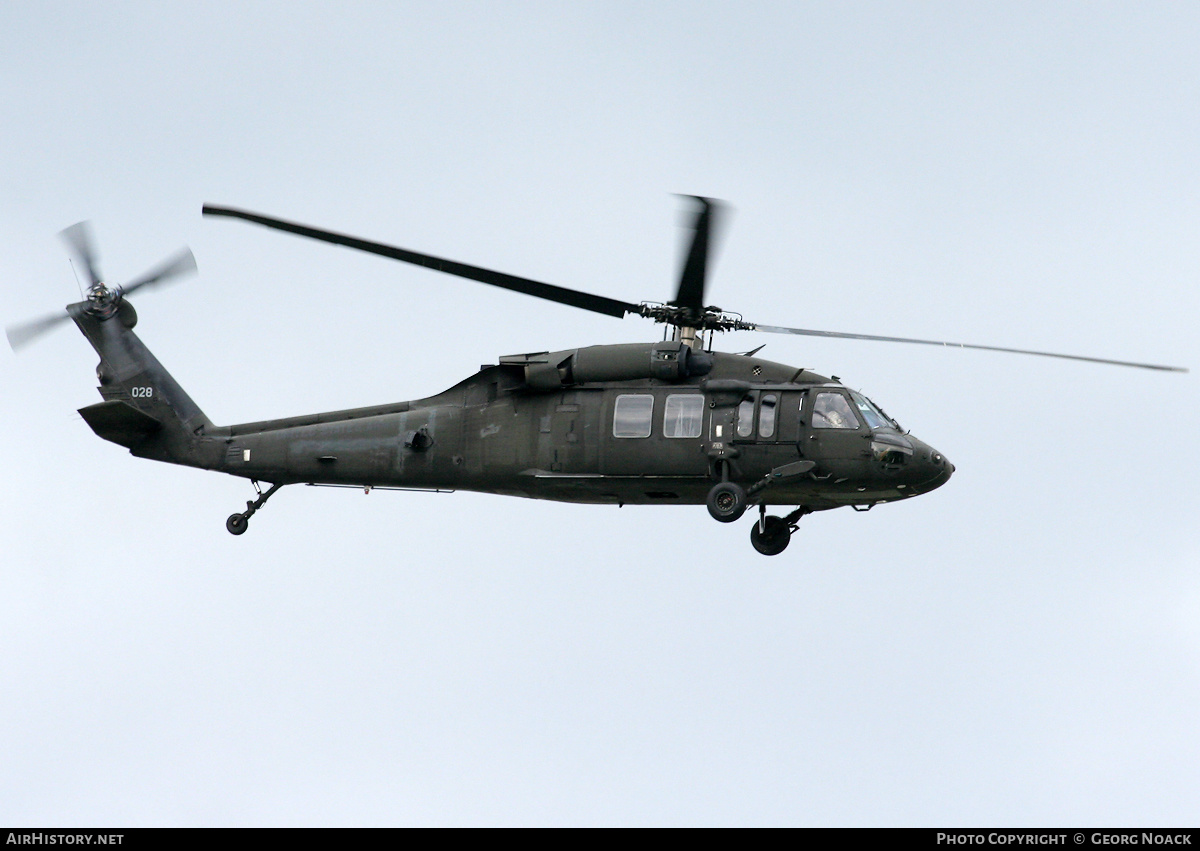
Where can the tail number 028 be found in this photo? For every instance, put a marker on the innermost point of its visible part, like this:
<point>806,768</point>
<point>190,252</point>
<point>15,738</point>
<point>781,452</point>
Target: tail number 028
<point>141,392</point>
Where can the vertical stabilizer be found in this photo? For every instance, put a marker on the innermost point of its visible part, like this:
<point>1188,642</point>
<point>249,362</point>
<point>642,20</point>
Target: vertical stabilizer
<point>144,408</point>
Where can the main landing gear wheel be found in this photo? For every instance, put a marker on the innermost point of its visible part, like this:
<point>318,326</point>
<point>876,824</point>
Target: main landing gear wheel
<point>726,502</point>
<point>237,524</point>
<point>771,535</point>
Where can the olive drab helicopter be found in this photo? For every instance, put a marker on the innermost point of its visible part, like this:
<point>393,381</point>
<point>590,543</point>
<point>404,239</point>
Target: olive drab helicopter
<point>665,423</point>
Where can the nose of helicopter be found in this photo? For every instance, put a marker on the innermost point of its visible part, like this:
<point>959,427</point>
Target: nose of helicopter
<point>935,469</point>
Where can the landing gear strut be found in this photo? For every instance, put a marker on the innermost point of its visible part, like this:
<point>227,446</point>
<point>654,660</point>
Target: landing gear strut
<point>770,534</point>
<point>238,523</point>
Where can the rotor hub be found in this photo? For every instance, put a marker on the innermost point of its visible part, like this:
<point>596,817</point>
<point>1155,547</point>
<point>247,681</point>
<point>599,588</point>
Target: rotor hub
<point>103,301</point>
<point>710,318</point>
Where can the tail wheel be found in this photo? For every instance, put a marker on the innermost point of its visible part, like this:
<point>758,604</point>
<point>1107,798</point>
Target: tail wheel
<point>237,524</point>
<point>726,502</point>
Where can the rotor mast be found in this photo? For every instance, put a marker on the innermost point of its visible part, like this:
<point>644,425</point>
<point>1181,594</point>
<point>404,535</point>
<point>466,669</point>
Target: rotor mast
<point>688,336</point>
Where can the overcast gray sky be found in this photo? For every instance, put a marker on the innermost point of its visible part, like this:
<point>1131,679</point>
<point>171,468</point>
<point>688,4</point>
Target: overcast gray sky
<point>1019,647</point>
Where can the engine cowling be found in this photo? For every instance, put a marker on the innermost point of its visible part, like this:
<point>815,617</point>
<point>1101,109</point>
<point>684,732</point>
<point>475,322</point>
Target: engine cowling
<point>670,360</point>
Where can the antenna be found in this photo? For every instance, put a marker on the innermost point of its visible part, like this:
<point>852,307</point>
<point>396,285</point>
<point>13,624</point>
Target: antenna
<point>75,272</point>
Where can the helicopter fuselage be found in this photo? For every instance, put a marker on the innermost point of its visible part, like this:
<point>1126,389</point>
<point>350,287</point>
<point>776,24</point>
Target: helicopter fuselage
<point>592,425</point>
<point>644,441</point>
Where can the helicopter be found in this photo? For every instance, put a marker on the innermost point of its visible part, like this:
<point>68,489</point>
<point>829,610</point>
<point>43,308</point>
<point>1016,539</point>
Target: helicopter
<point>673,422</point>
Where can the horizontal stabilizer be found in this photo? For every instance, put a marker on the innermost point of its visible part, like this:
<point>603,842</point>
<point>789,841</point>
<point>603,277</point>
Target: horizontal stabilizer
<point>120,422</point>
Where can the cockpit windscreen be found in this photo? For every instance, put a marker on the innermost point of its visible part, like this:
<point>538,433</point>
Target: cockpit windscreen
<point>874,417</point>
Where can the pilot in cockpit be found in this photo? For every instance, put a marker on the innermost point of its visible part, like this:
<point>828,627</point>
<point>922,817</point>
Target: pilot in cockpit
<point>831,410</point>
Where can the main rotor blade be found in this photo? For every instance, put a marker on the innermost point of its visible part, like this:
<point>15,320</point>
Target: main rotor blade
<point>182,263</point>
<point>773,329</point>
<point>79,237</point>
<point>562,295</point>
<point>695,268</point>
<point>25,333</point>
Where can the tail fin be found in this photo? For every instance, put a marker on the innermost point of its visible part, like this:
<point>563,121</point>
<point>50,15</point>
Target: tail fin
<point>144,408</point>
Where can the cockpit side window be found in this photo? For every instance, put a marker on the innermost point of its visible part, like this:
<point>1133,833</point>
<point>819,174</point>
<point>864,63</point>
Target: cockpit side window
<point>831,410</point>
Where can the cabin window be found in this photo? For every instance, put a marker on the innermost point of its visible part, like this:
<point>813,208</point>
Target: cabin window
<point>745,418</point>
<point>683,415</point>
<point>831,410</point>
<point>766,415</point>
<point>633,415</point>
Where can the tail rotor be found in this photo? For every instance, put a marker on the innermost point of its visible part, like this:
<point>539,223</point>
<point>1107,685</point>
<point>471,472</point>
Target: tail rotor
<point>103,300</point>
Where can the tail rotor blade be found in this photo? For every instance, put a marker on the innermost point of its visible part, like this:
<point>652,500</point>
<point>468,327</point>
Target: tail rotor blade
<point>79,237</point>
<point>182,263</point>
<point>101,300</point>
<point>25,333</point>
